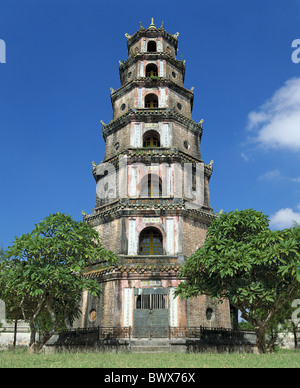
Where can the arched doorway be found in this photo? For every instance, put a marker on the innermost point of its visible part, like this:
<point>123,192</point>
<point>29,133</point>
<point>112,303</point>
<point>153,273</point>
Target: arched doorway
<point>150,242</point>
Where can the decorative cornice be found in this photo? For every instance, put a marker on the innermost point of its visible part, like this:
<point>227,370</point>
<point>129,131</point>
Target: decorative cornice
<point>148,81</point>
<point>123,65</point>
<point>172,269</point>
<point>134,207</point>
<point>155,115</point>
<point>157,155</point>
<point>152,33</point>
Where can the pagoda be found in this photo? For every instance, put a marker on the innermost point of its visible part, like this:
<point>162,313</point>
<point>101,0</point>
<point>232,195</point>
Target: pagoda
<point>152,203</point>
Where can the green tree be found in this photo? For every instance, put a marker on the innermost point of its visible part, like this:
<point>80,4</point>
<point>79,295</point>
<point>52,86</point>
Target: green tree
<point>1,252</point>
<point>12,313</point>
<point>255,268</point>
<point>42,274</point>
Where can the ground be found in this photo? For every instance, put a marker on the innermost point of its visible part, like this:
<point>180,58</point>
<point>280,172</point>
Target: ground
<point>21,359</point>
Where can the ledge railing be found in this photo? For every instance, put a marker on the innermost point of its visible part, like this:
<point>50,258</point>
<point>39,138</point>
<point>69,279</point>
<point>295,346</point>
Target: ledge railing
<point>207,334</point>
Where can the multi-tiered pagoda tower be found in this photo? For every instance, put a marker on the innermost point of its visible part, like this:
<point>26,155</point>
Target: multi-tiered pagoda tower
<point>152,206</point>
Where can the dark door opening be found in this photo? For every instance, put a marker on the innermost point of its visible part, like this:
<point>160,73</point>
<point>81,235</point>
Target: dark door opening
<point>150,316</point>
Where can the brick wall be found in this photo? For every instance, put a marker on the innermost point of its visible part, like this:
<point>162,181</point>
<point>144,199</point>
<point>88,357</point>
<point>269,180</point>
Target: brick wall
<point>193,235</point>
<point>196,312</point>
<point>181,135</point>
<point>111,235</point>
<point>122,136</point>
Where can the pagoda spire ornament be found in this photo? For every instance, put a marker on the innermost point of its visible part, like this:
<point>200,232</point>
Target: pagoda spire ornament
<point>152,25</point>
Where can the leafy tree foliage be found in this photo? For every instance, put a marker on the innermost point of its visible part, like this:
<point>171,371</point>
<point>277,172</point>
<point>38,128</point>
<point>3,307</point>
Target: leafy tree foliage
<point>255,268</point>
<point>42,274</point>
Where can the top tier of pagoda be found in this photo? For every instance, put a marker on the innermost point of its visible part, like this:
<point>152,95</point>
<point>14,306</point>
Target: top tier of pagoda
<point>152,91</point>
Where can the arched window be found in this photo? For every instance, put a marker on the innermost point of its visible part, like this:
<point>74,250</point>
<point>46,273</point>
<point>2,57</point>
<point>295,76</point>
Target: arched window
<point>150,242</point>
<point>151,186</point>
<point>151,139</point>
<point>151,70</point>
<point>151,47</point>
<point>151,101</point>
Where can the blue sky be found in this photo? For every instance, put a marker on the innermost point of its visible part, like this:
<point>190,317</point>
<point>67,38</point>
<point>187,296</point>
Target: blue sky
<point>62,58</point>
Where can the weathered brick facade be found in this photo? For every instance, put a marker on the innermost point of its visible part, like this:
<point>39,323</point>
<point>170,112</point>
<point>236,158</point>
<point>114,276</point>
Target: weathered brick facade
<point>152,206</point>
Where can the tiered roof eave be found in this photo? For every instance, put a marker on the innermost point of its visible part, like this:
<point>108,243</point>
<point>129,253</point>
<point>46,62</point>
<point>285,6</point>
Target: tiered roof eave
<point>142,114</point>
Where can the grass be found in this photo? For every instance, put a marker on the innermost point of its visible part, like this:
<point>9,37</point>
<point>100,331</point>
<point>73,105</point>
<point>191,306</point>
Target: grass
<point>21,359</point>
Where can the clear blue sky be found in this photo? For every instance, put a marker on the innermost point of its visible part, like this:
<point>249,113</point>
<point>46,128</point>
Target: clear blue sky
<point>62,58</point>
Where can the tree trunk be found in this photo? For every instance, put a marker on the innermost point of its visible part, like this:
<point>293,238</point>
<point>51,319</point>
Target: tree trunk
<point>15,334</point>
<point>44,338</point>
<point>31,348</point>
<point>272,340</point>
<point>261,342</point>
<point>33,345</point>
<point>294,328</point>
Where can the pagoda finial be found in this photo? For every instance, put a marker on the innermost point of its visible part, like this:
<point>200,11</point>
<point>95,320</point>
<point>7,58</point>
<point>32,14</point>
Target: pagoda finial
<point>152,25</point>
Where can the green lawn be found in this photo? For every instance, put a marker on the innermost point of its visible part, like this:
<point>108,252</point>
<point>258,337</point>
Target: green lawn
<point>21,359</point>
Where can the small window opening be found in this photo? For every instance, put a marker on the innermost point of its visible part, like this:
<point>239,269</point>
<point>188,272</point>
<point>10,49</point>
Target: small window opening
<point>209,314</point>
<point>194,175</point>
<point>186,144</point>
<point>151,70</point>
<point>151,101</point>
<point>151,140</point>
<point>151,47</point>
<point>93,315</point>
<point>151,186</point>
